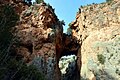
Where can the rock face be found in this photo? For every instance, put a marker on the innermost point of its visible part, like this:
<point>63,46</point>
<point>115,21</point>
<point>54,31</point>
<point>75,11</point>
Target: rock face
<point>69,62</point>
<point>95,41</point>
<point>18,5</point>
<point>97,28</point>
<point>39,40</point>
<point>39,34</point>
<point>67,67</point>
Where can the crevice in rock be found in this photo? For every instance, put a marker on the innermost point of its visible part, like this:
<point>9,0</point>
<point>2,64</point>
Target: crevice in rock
<point>69,59</point>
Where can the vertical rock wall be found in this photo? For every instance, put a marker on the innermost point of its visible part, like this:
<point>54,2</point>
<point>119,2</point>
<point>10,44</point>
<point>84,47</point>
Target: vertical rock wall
<point>42,43</point>
<point>68,62</point>
<point>39,34</point>
<point>97,28</point>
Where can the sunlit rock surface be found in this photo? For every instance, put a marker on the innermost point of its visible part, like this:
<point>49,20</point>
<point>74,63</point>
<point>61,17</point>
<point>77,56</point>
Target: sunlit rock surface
<point>66,61</point>
<point>38,33</point>
<point>67,65</point>
<point>97,28</point>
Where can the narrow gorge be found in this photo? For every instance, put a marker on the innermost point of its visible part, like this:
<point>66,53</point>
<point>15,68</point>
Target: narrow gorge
<point>32,35</point>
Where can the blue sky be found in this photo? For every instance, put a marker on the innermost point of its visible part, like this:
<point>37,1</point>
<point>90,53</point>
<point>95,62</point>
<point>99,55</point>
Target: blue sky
<point>66,9</point>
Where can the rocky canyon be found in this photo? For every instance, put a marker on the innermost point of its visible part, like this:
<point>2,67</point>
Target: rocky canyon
<point>34,47</point>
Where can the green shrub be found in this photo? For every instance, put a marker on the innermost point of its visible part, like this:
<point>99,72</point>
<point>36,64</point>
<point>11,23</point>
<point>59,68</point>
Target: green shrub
<point>69,24</point>
<point>39,1</point>
<point>69,31</point>
<point>101,58</point>
<point>108,0</point>
<point>62,22</point>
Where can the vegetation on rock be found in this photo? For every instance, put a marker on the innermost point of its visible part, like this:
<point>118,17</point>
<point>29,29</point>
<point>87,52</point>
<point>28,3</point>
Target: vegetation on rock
<point>12,67</point>
<point>101,58</point>
<point>108,0</point>
<point>39,1</point>
<point>69,31</point>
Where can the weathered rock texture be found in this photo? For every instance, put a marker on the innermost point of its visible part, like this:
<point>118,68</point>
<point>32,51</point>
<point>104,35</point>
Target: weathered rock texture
<point>18,5</point>
<point>69,63</point>
<point>97,28</point>
<point>39,39</point>
<point>39,34</point>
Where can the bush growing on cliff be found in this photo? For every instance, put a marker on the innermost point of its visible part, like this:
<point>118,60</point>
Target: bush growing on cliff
<point>69,31</point>
<point>108,0</point>
<point>10,67</point>
<point>39,1</point>
<point>69,24</point>
<point>62,22</point>
<point>101,58</point>
<point>36,1</point>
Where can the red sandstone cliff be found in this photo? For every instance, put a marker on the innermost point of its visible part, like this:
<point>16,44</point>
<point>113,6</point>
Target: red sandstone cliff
<point>38,36</point>
<point>95,39</point>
